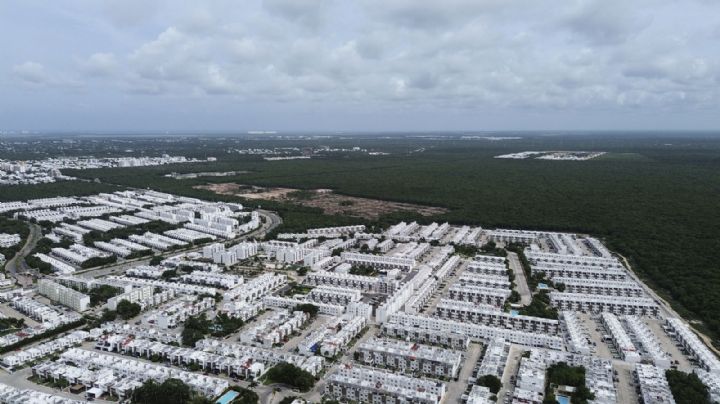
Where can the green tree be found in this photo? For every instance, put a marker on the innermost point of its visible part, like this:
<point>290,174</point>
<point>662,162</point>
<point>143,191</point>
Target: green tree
<point>291,375</point>
<point>491,382</point>
<point>687,388</point>
<point>309,308</point>
<point>127,310</point>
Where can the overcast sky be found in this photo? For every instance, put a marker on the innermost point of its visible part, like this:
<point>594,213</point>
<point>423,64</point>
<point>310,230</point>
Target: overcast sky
<point>118,65</point>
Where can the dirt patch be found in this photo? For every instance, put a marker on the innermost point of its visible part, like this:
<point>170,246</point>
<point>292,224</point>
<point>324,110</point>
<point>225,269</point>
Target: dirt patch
<point>325,199</point>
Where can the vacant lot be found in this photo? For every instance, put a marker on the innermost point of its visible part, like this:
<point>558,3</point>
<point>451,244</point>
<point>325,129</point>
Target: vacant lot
<point>325,199</point>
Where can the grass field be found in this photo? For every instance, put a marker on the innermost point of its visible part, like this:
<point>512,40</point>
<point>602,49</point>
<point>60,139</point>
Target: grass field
<point>653,199</point>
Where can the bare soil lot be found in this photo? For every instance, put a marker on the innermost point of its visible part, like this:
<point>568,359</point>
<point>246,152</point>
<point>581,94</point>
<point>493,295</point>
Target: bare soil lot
<point>325,199</point>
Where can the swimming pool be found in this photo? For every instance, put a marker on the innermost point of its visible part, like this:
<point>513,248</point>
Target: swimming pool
<point>227,397</point>
<point>563,399</point>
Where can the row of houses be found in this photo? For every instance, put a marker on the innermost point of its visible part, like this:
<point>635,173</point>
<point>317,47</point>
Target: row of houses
<point>125,368</point>
<point>653,385</point>
<point>476,332</point>
<point>531,376</point>
<point>274,329</point>
<point>490,316</point>
<point>410,357</point>
<point>692,345</point>
<point>36,352</point>
<point>638,306</point>
<point>369,385</point>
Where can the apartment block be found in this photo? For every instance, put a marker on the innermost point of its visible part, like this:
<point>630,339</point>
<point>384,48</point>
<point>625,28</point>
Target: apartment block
<point>64,295</point>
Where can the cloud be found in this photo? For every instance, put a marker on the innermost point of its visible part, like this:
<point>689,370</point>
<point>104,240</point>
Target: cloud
<point>455,55</point>
<point>310,13</point>
<point>607,22</point>
<point>32,73</point>
<point>100,64</point>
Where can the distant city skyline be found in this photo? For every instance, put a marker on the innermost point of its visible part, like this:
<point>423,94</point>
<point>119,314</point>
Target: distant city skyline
<point>370,65</point>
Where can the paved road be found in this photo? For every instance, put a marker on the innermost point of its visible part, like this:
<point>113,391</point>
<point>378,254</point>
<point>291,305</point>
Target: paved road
<point>511,370</point>
<point>455,389</point>
<point>520,280</point>
<point>625,386</point>
<point>16,267</point>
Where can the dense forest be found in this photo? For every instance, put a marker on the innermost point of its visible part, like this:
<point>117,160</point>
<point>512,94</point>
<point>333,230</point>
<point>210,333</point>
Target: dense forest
<point>652,199</point>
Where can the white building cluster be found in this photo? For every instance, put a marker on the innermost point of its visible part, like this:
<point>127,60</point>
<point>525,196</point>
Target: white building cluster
<point>410,357</point>
<point>64,295</point>
<point>693,345</point>
<point>9,240</point>
<point>531,377</point>
<point>230,256</point>
<point>334,337</point>
<point>122,375</point>
<point>653,385</point>
<point>14,395</point>
<point>274,329</point>
<point>364,384</point>
<point>476,332</point>
<point>221,280</point>
<point>620,338</point>
<point>47,348</point>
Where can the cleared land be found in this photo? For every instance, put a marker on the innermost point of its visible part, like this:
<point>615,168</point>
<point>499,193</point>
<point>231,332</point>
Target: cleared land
<point>325,199</point>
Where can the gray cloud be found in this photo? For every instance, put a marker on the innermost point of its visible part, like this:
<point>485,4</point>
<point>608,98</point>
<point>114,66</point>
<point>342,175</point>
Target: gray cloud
<point>452,57</point>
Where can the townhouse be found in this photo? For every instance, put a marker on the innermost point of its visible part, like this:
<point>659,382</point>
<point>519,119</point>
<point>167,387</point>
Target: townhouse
<point>490,316</point>
<point>577,337</point>
<point>553,271</point>
<point>250,354</point>
<point>640,306</point>
<point>477,332</point>
<point>222,280</point>
<point>334,295</point>
<point>176,313</point>
<point>336,231</point>
<point>651,348</point>
<point>692,345</point>
<point>488,281</point>
<point>13,395</point>
<point>137,295</point>
<point>363,283</point>
<point>495,360</point>
<point>255,288</point>
<point>379,261</point>
<point>653,385</point>
<point>191,236</point>
<point>531,377</point>
<point>8,240</point>
<point>141,371</point>
<point>46,348</point>
<point>363,384</point>
<point>511,236</point>
<point>620,338</point>
<point>289,303</point>
<point>177,287</point>
<point>274,329</point>
<point>600,287</point>
<point>409,357</point>
<point>478,294</point>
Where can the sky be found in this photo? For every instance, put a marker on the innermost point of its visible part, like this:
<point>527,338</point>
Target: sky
<point>361,65</point>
